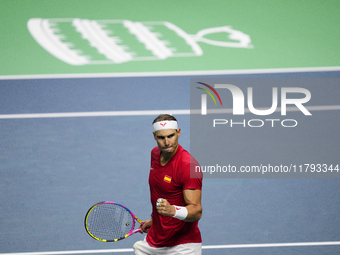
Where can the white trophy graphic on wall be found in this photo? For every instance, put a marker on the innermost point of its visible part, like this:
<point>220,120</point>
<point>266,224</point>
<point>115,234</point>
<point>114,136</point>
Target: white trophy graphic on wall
<point>89,42</point>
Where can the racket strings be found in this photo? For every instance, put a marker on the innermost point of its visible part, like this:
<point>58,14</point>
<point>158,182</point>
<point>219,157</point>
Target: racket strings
<point>109,221</point>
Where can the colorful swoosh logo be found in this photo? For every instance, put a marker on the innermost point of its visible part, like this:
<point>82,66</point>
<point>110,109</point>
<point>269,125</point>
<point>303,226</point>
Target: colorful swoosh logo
<point>209,93</point>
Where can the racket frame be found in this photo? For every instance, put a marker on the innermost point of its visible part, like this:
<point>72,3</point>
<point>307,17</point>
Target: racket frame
<point>131,232</point>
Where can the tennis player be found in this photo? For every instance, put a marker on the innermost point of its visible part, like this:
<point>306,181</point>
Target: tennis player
<point>175,196</point>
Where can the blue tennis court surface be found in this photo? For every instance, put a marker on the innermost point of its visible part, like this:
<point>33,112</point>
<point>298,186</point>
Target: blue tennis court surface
<point>52,169</point>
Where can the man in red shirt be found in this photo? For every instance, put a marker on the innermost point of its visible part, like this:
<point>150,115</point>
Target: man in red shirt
<point>175,196</point>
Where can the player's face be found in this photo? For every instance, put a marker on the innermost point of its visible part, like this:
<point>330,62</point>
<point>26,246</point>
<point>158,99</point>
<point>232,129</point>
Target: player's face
<point>167,140</point>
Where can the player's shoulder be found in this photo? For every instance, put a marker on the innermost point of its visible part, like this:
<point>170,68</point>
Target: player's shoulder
<point>184,154</point>
<point>185,157</point>
<point>186,166</point>
<point>155,150</point>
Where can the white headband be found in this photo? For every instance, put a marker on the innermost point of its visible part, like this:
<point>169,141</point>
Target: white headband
<point>166,124</point>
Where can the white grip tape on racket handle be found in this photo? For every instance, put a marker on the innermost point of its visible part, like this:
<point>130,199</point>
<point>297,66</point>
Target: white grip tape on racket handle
<point>181,212</point>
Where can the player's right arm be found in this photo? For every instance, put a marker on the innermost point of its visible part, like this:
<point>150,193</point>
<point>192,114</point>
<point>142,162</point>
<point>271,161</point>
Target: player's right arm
<point>146,225</point>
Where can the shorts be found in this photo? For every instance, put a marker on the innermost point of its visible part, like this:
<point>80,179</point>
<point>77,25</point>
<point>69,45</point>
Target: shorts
<point>143,248</point>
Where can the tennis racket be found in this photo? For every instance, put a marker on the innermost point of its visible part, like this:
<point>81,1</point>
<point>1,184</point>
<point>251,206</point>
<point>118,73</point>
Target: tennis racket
<point>110,222</point>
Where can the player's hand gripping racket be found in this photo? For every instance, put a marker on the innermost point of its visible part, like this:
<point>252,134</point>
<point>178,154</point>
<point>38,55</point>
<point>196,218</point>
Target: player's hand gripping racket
<point>110,222</point>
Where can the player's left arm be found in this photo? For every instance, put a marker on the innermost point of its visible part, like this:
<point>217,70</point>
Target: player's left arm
<point>192,198</point>
<point>192,209</point>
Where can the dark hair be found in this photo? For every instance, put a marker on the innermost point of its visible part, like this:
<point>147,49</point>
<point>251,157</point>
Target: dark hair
<point>163,117</point>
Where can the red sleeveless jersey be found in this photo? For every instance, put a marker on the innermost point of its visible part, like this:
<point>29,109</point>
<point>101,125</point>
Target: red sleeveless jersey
<point>168,182</point>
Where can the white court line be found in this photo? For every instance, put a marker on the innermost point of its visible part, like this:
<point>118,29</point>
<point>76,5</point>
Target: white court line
<point>173,73</point>
<point>205,247</point>
<point>151,112</point>
<point>91,114</point>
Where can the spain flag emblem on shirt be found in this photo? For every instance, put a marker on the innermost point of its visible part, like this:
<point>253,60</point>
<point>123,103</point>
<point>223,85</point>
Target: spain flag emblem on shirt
<point>167,179</point>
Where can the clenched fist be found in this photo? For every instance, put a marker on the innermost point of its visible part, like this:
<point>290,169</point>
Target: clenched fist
<point>164,208</point>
